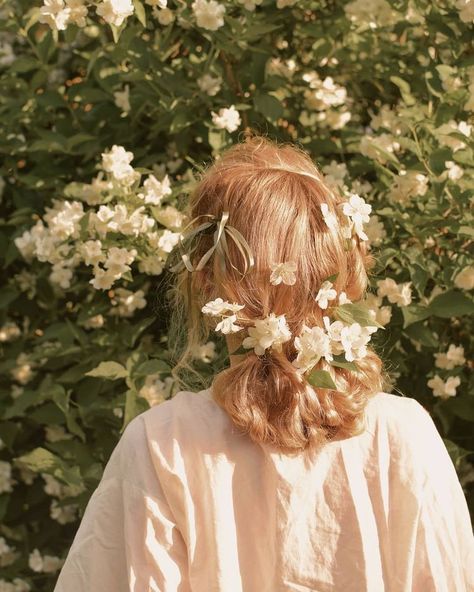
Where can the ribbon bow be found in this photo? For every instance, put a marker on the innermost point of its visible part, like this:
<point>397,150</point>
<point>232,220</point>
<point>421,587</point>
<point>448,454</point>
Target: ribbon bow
<point>220,247</point>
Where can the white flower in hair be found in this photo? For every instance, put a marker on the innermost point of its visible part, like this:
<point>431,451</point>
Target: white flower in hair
<point>329,217</point>
<point>326,293</point>
<point>334,330</point>
<point>343,299</point>
<point>226,325</point>
<point>271,331</point>
<point>357,210</point>
<point>313,343</point>
<point>218,307</point>
<point>283,272</point>
<point>354,339</point>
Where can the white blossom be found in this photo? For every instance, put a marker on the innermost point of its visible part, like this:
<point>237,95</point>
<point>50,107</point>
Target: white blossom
<point>325,293</point>
<point>46,563</point>
<point>165,16</point>
<point>380,314</point>
<point>126,302</point>
<point>168,240</point>
<point>55,14</point>
<point>406,185</point>
<point>78,12</point>
<point>453,171</point>
<point>466,10</point>
<point>271,331</point>
<point>91,251</point>
<point>351,339</point>
<point>122,99</point>
<point>357,210</point>
<point>388,119</point>
<point>399,294</point>
<point>354,339</point>
<point>343,299</point>
<point>227,118</point>
<point>375,230</point>
<point>117,162</point>
<point>115,12</point>
<point>170,217</point>
<point>335,173</point>
<point>444,134</point>
<point>23,371</point>
<point>94,322</point>
<point>209,14</point>
<point>9,331</point>
<point>453,357</point>
<point>227,325</point>
<point>35,561</point>
<point>155,190</point>
<point>155,390</point>
<point>250,4</point>
<point>283,273</point>
<point>209,84</point>
<point>205,352</point>
<point>376,147</point>
<point>444,389</point>
<point>63,514</point>
<point>313,343</point>
<point>7,57</point>
<point>219,306</point>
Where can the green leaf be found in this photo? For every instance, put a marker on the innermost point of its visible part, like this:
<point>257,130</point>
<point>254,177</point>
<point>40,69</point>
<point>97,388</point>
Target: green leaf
<point>340,361</point>
<point>463,407</point>
<point>151,367</point>
<point>140,12</point>
<point>216,139</point>
<point>332,278</point>
<point>110,370</point>
<point>405,89</point>
<point>414,313</point>
<point>466,231</point>
<point>41,460</point>
<point>61,398</point>
<point>321,379</point>
<point>269,106</point>
<point>418,331</point>
<point>8,433</point>
<point>356,312</point>
<point>24,64</point>
<point>452,303</point>
<point>134,405</point>
<point>7,295</point>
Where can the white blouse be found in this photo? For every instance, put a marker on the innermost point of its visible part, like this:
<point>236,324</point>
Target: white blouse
<point>187,503</point>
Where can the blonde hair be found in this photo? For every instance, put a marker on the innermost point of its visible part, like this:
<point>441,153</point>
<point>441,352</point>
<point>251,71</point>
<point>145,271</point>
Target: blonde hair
<point>273,192</point>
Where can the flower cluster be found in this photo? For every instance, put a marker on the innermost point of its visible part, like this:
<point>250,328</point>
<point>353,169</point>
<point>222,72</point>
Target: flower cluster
<point>356,211</point>
<point>337,338</point>
<point>108,225</point>
<point>315,343</point>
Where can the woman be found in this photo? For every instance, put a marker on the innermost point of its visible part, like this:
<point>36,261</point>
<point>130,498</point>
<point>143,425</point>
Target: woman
<point>295,470</point>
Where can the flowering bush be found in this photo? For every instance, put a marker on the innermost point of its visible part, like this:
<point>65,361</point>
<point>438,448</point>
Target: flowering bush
<point>107,108</point>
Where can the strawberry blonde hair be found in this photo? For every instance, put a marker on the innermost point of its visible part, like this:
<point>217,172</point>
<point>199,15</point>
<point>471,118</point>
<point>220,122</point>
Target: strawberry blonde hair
<point>273,192</point>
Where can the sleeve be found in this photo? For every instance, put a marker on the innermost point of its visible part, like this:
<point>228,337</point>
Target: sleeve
<point>432,537</point>
<point>128,540</point>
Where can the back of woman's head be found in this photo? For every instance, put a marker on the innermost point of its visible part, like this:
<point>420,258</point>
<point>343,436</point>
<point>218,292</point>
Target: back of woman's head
<point>273,193</point>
